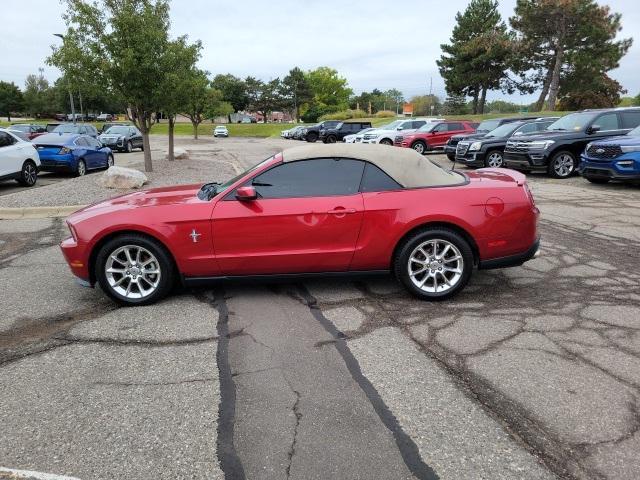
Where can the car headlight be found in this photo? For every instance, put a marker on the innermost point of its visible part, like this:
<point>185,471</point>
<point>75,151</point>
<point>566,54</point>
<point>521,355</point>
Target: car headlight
<point>541,145</point>
<point>630,148</point>
<point>475,146</point>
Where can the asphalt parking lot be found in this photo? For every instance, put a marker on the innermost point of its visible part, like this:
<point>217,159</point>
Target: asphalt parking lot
<point>531,372</point>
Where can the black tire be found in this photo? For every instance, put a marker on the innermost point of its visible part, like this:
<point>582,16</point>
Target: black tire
<point>142,147</point>
<point>81,169</point>
<point>451,156</point>
<point>330,139</point>
<point>401,263</point>
<point>128,147</point>
<point>598,180</point>
<point>312,137</point>
<point>556,171</point>
<point>494,156</point>
<point>420,147</point>
<point>110,161</point>
<point>166,267</point>
<point>28,174</point>
<point>387,142</point>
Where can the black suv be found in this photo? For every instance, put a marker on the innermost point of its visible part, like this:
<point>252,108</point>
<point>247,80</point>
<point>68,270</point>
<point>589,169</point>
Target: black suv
<point>558,148</point>
<point>337,134</point>
<point>485,127</point>
<point>488,150</point>
<point>312,133</point>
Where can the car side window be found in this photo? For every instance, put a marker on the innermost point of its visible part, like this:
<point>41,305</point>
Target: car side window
<point>526,128</point>
<point>454,127</point>
<point>375,180</point>
<point>608,121</point>
<point>6,140</point>
<point>93,142</point>
<point>417,124</point>
<point>630,119</point>
<point>323,177</point>
<point>81,142</point>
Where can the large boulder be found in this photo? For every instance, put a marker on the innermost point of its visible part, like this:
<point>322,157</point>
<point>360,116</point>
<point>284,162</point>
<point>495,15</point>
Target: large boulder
<point>178,153</point>
<point>122,178</point>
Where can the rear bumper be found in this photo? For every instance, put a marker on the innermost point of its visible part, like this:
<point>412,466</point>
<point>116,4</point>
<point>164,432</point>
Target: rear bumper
<point>512,260</point>
<point>57,163</point>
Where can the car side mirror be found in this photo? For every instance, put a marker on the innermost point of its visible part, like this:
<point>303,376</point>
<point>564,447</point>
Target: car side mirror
<point>245,194</point>
<point>517,133</point>
<point>594,129</point>
<point>400,128</point>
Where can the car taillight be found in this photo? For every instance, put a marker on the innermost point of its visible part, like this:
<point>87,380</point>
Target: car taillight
<point>529,194</point>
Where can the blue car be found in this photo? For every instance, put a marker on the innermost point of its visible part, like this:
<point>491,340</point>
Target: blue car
<point>71,153</point>
<point>615,158</point>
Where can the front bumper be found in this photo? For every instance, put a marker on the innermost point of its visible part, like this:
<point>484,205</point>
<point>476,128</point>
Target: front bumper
<point>512,260</point>
<point>525,161</point>
<point>76,256</point>
<point>472,159</point>
<point>625,168</point>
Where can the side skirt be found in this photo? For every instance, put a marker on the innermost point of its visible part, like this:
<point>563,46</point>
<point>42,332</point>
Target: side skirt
<point>281,277</point>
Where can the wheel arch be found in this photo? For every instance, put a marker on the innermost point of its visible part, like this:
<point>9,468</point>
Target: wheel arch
<point>438,224</point>
<point>117,233</point>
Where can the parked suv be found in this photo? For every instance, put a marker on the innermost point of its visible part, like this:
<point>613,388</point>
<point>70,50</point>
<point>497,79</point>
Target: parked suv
<point>312,133</point>
<point>616,158</point>
<point>558,149</point>
<point>19,160</point>
<point>485,127</point>
<point>433,135</point>
<point>488,150</point>
<point>30,130</point>
<point>337,134</point>
<point>123,138</point>
<point>78,128</point>
<point>386,135</point>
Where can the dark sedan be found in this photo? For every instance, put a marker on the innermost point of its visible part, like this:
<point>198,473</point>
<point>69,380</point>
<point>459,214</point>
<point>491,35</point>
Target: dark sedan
<point>123,138</point>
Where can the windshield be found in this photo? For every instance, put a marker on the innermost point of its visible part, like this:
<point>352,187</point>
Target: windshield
<point>488,125</point>
<point>22,128</point>
<point>428,127</point>
<point>117,131</point>
<point>392,125</point>
<point>635,132</point>
<point>503,130</point>
<point>572,122</point>
<point>210,190</point>
<point>66,129</point>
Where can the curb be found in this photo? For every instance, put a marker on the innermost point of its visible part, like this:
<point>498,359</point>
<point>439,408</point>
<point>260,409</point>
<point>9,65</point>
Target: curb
<point>38,212</point>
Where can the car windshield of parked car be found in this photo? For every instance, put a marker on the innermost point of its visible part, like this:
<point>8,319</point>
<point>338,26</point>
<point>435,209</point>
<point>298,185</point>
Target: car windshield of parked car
<point>117,131</point>
<point>22,128</point>
<point>66,129</point>
<point>635,132</point>
<point>210,190</point>
<point>488,125</point>
<point>503,130</point>
<point>392,125</point>
<point>572,122</point>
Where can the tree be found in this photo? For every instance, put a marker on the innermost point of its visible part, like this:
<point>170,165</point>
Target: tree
<point>455,105</point>
<point>264,97</point>
<point>422,105</point>
<point>200,97</point>
<point>296,90</point>
<point>579,91</point>
<point>118,45</point>
<point>558,37</point>
<point>10,99</point>
<point>395,97</point>
<point>38,96</point>
<point>501,106</point>
<point>330,91</point>
<point>478,58</point>
<point>234,90</point>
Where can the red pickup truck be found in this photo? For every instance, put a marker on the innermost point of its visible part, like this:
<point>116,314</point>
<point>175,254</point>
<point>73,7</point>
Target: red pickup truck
<point>434,135</point>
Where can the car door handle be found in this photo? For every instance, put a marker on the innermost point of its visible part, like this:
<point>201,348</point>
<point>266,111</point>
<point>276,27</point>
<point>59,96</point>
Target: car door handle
<point>342,211</point>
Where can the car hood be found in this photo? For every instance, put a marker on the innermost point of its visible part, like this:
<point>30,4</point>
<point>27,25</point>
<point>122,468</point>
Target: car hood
<point>621,140</point>
<point>472,136</point>
<point>153,198</point>
<point>550,135</point>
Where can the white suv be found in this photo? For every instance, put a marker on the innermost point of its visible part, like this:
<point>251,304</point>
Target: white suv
<point>387,134</point>
<point>19,160</point>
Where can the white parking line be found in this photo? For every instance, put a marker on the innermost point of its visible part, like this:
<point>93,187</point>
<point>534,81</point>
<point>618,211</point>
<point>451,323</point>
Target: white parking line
<point>9,473</point>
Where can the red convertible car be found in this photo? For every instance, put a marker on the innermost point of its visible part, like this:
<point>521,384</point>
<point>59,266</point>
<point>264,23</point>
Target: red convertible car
<point>315,209</point>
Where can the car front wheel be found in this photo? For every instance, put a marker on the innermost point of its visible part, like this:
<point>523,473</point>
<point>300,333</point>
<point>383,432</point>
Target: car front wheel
<point>434,263</point>
<point>28,174</point>
<point>419,147</point>
<point>494,159</point>
<point>562,165</point>
<point>134,270</point>
<point>386,141</point>
<point>128,147</point>
<point>312,137</point>
<point>81,169</point>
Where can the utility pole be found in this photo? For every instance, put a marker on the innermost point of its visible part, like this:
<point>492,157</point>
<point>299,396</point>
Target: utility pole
<point>73,108</point>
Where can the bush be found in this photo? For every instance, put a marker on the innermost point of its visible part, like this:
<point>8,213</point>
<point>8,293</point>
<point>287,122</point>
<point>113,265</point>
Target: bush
<point>344,115</point>
<point>385,114</point>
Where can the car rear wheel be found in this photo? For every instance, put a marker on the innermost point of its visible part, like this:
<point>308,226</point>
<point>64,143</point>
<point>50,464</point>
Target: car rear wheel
<point>28,174</point>
<point>562,165</point>
<point>386,141</point>
<point>110,161</point>
<point>330,139</point>
<point>134,270</point>
<point>434,263</point>
<point>419,147</point>
<point>81,169</point>
<point>494,159</point>
<point>128,147</point>
<point>312,137</point>
<point>451,156</point>
<point>597,180</point>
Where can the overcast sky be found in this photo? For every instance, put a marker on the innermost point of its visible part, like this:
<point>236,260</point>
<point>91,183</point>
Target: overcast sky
<point>374,43</point>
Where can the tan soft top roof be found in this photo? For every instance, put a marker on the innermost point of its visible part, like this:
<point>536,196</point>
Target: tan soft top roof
<point>404,165</point>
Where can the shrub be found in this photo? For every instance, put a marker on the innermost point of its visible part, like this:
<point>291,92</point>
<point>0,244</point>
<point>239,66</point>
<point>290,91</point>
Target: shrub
<point>385,114</point>
<point>344,115</point>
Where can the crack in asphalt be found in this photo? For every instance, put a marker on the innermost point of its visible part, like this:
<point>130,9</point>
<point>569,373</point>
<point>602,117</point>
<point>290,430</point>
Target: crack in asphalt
<point>155,384</point>
<point>296,411</point>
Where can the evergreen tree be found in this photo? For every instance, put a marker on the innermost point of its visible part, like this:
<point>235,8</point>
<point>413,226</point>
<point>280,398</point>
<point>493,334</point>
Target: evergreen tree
<point>455,105</point>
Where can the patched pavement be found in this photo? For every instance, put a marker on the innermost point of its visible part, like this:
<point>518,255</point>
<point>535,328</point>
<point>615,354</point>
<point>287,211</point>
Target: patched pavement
<point>531,372</point>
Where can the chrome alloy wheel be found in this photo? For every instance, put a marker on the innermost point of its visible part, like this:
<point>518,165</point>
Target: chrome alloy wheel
<point>418,147</point>
<point>29,174</point>
<point>435,266</point>
<point>132,271</point>
<point>495,160</point>
<point>563,165</point>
